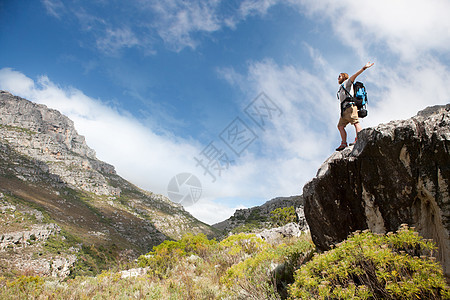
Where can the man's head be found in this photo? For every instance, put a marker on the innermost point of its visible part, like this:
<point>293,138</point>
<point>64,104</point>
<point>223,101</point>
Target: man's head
<point>342,77</point>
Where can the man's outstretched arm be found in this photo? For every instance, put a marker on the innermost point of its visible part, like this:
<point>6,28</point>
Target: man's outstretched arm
<point>353,77</point>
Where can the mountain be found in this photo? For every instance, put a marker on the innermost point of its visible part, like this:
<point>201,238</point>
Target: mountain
<point>259,217</point>
<point>396,173</point>
<point>54,191</point>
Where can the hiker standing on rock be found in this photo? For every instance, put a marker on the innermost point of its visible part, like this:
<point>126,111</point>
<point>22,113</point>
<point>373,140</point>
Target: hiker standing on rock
<point>349,111</point>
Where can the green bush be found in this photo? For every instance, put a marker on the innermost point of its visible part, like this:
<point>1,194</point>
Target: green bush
<point>248,227</point>
<point>167,254</point>
<point>266,274</point>
<point>370,266</point>
<point>24,285</point>
<point>283,216</point>
<point>196,244</point>
<point>243,244</point>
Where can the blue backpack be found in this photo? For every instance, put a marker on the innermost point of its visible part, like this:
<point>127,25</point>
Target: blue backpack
<point>360,98</point>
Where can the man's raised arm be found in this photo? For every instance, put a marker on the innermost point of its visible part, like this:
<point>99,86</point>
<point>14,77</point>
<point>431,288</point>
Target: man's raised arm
<point>353,77</point>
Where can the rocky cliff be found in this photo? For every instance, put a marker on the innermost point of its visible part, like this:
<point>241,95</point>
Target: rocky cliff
<point>396,173</point>
<point>46,167</point>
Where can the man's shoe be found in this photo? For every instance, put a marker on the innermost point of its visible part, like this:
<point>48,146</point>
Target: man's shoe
<point>351,144</point>
<point>341,147</point>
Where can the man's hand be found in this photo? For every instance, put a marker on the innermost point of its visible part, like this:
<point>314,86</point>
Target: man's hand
<point>353,77</point>
<point>368,65</point>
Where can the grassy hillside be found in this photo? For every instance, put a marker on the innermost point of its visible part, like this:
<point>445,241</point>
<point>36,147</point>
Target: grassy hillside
<point>366,266</point>
<point>109,229</point>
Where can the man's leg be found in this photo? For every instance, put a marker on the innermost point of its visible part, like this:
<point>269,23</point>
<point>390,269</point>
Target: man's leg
<point>358,128</point>
<point>343,133</point>
<point>343,138</point>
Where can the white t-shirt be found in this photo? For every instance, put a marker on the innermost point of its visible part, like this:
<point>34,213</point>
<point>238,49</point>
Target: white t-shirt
<point>342,94</point>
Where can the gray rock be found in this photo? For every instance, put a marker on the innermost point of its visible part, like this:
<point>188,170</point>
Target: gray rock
<point>60,266</point>
<point>396,173</point>
<point>133,272</point>
<point>23,238</point>
<point>50,139</point>
<point>277,234</point>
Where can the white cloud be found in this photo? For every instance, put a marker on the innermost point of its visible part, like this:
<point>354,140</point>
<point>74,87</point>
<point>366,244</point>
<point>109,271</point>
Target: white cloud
<point>407,27</point>
<point>255,7</point>
<point>293,145</point>
<point>150,160</point>
<point>211,212</point>
<point>140,155</point>
<point>178,23</point>
<point>178,20</point>
<point>116,39</point>
<point>54,7</point>
<point>15,81</point>
<point>409,41</point>
<point>307,106</point>
<point>400,91</point>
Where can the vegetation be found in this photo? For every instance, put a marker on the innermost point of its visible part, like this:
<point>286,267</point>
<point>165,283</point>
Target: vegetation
<point>283,216</point>
<point>258,220</point>
<point>266,274</point>
<point>365,266</point>
<point>18,129</point>
<point>370,266</point>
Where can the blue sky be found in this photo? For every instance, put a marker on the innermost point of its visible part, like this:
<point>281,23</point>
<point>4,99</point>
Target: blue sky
<point>152,85</point>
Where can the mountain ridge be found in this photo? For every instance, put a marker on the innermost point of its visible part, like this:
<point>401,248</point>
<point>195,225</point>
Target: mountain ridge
<point>45,165</point>
<point>256,217</point>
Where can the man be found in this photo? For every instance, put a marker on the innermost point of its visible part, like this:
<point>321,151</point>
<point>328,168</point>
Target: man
<point>349,111</point>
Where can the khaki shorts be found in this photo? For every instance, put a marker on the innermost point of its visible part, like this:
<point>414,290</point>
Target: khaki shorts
<point>350,116</point>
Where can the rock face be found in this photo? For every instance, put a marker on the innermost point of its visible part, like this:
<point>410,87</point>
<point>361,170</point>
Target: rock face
<point>48,171</point>
<point>46,135</point>
<point>279,233</point>
<point>396,173</point>
<point>21,238</point>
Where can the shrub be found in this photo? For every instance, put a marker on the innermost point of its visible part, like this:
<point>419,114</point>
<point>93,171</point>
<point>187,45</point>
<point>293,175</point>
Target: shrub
<point>370,266</point>
<point>242,244</point>
<point>25,285</point>
<point>167,254</point>
<point>283,216</point>
<point>248,227</point>
<point>196,244</point>
<point>266,274</point>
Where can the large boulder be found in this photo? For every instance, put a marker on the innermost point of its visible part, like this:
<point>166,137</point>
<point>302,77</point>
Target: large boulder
<point>396,173</point>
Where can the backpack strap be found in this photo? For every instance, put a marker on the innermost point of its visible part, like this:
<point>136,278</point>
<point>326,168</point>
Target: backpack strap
<point>347,101</point>
<point>348,93</point>
<point>349,98</point>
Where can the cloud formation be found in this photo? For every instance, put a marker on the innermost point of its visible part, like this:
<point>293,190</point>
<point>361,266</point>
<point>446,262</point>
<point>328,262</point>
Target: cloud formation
<point>408,40</point>
<point>151,160</point>
<point>179,24</point>
<point>407,27</point>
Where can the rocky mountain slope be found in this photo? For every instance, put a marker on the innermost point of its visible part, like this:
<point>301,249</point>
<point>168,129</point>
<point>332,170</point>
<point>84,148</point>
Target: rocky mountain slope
<point>396,173</point>
<point>258,217</point>
<point>53,186</point>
